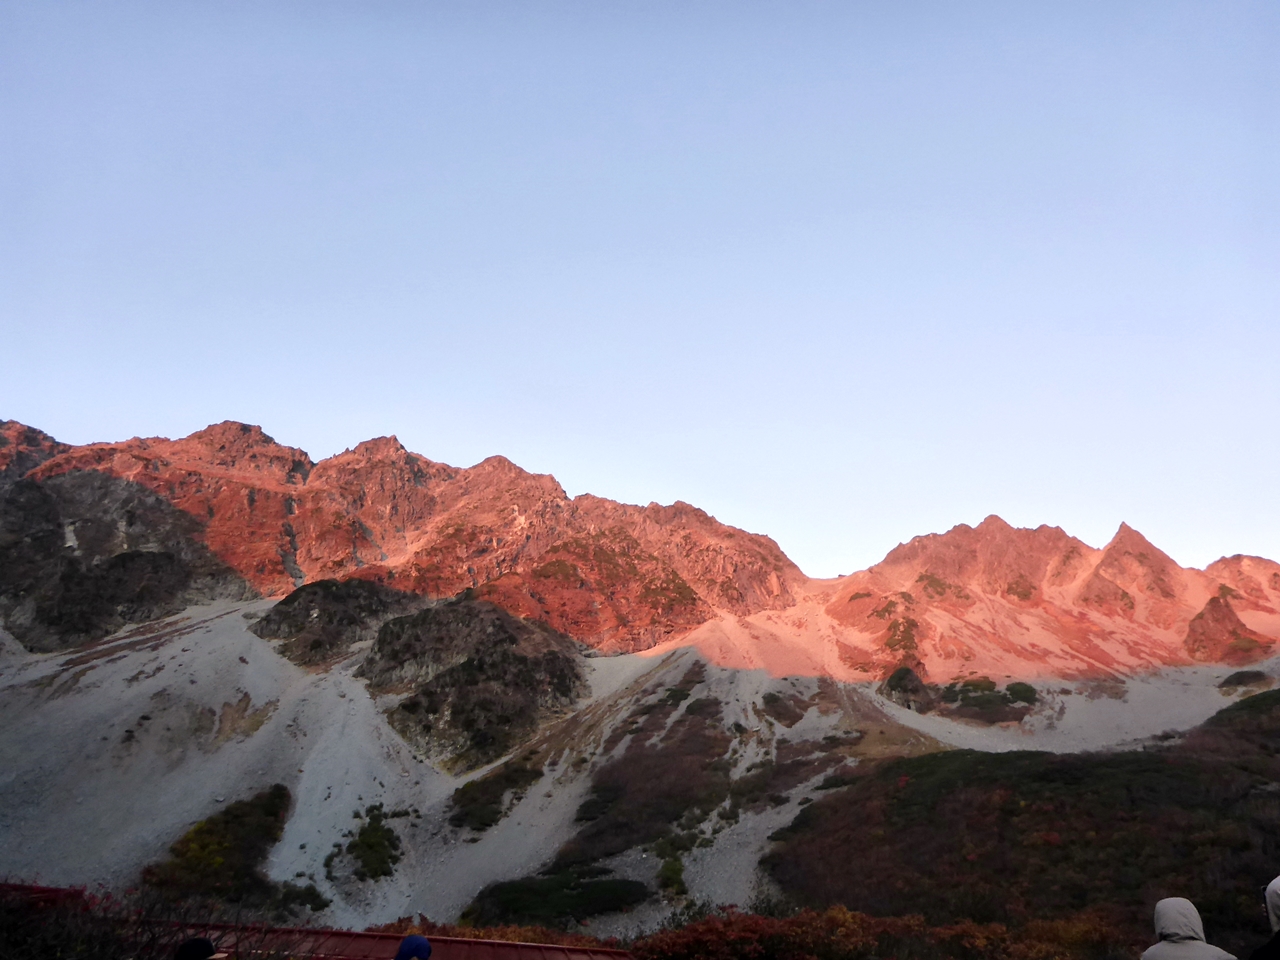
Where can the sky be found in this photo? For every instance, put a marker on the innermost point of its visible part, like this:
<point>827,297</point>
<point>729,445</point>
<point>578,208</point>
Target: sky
<point>841,273</point>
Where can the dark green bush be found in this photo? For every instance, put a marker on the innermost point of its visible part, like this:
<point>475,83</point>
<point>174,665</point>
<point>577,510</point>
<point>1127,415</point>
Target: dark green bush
<point>671,876</point>
<point>900,679</point>
<point>556,899</point>
<point>479,804</point>
<point>1022,693</point>
<point>1243,678</point>
<point>1028,837</point>
<point>667,777</point>
<point>376,848</point>
<point>222,856</point>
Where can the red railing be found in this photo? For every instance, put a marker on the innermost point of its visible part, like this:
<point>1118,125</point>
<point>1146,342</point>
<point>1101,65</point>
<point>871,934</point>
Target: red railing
<point>244,941</point>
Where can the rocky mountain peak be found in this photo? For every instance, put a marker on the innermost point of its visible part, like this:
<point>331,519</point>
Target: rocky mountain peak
<point>1133,572</point>
<point>24,448</point>
<point>992,557</point>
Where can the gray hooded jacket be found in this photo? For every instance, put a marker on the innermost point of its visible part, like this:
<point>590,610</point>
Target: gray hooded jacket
<point>1273,904</point>
<point>1181,934</point>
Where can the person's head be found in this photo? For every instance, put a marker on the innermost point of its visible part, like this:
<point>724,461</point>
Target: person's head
<point>197,948</point>
<point>1271,897</point>
<point>414,948</point>
<point>1178,920</point>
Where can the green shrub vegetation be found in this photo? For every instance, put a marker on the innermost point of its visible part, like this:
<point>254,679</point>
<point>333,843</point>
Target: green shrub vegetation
<point>900,679</point>
<point>376,847</point>
<point>902,635</point>
<point>222,857</point>
<point>1022,838</point>
<point>1022,692</point>
<point>1021,587</point>
<point>1249,716</point>
<point>671,876</point>
<point>669,592</point>
<point>479,804</point>
<point>1243,677</point>
<point>978,699</point>
<point>885,611</point>
<point>320,621</point>
<point>933,586</point>
<point>667,777</point>
<point>557,899</point>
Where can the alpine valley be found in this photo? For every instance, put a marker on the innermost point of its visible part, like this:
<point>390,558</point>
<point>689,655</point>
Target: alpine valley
<point>487,699</point>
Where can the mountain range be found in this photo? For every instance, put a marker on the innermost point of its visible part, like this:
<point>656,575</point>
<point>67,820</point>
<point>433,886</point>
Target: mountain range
<point>237,511</point>
<point>462,693</point>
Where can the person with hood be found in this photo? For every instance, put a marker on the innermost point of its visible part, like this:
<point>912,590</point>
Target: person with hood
<point>1271,949</point>
<point>1181,934</point>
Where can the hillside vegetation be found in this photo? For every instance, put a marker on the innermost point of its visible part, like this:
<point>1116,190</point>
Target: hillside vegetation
<point>1021,837</point>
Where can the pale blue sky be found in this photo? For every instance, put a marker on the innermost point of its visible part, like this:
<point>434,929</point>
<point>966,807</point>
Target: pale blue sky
<point>841,273</point>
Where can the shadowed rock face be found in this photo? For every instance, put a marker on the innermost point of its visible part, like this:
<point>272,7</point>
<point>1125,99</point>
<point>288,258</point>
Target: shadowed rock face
<point>320,621</point>
<point>479,680</point>
<point>82,555</point>
<point>22,449</point>
<point>616,576</point>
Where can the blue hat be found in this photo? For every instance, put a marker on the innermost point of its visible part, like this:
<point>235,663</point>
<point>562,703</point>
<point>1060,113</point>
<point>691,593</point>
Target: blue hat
<point>414,948</point>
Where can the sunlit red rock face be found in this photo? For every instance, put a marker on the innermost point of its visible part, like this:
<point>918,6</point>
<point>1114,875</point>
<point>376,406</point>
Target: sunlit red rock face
<point>22,448</point>
<point>997,600</point>
<point>620,577</point>
<point>987,600</point>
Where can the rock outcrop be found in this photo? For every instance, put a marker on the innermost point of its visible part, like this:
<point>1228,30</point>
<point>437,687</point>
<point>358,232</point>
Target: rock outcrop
<point>22,449</point>
<point>1217,635</point>
<point>83,554</point>
<point>321,621</point>
<point>479,681</point>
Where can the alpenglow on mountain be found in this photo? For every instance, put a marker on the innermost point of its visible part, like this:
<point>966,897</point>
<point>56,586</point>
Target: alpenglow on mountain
<point>114,532</point>
<point>461,693</point>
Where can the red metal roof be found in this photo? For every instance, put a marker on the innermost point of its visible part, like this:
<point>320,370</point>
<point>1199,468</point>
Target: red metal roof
<point>303,942</point>
<point>349,945</point>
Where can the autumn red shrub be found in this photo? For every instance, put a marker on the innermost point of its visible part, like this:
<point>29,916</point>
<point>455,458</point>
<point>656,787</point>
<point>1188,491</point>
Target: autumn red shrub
<point>841,934</point>
<point>509,933</point>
